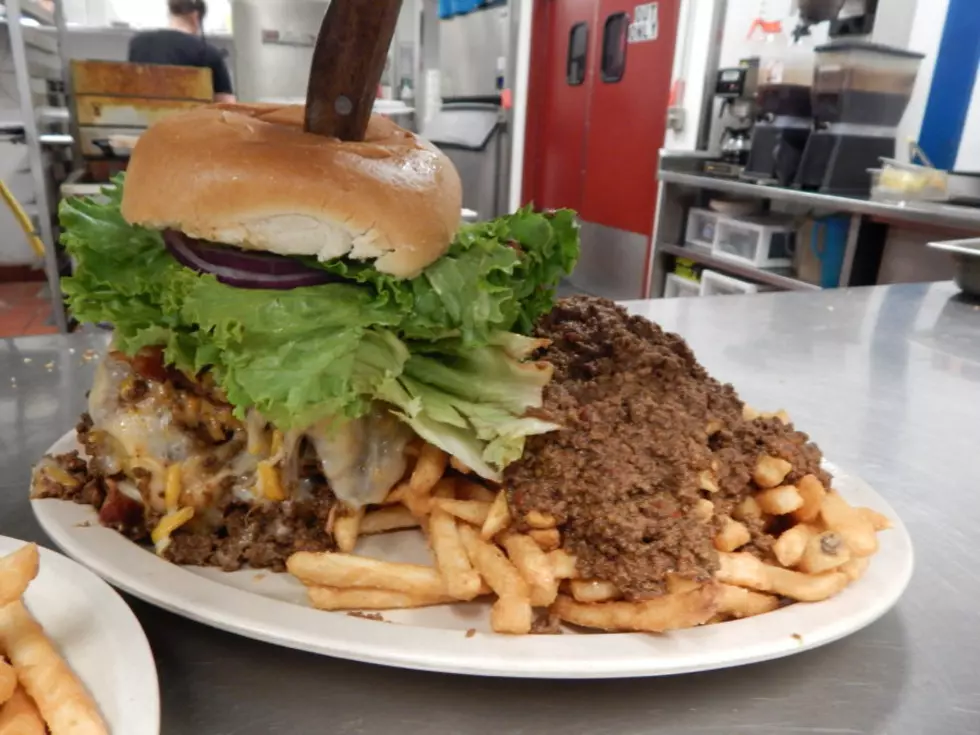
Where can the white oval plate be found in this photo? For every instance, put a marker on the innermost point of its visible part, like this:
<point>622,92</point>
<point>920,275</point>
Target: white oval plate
<point>100,638</point>
<point>273,608</point>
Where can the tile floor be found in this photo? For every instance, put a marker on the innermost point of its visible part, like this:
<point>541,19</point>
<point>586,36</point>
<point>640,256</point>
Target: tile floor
<point>25,310</point>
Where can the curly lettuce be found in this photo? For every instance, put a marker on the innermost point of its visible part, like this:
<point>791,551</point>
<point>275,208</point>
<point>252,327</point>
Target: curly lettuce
<point>444,348</point>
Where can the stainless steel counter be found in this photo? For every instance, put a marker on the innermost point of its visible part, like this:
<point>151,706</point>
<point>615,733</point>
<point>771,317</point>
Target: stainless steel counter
<point>887,380</point>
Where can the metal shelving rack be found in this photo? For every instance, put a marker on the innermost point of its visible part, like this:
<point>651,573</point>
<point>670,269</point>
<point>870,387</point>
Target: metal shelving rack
<point>43,62</point>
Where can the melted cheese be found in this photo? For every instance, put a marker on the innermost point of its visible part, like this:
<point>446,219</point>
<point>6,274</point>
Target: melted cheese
<point>362,459</point>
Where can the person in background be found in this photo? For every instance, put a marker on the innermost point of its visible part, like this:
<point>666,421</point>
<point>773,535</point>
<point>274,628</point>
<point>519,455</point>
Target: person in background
<point>183,44</point>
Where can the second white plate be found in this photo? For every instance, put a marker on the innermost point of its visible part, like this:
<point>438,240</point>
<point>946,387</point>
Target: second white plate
<point>100,638</point>
<point>273,608</point>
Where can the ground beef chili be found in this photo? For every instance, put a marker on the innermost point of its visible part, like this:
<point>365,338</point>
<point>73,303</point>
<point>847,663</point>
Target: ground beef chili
<point>622,475</point>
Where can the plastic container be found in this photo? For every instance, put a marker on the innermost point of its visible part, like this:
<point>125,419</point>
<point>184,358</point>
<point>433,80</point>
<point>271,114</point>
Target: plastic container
<point>820,248</point>
<point>677,287</point>
<point>718,284</point>
<point>897,181</point>
<point>701,228</point>
<point>863,83</point>
<point>765,242</point>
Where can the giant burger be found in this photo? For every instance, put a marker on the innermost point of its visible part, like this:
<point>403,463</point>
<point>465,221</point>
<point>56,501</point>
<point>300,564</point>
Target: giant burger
<point>289,313</point>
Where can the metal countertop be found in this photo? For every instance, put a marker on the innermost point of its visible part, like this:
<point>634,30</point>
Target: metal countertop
<point>886,379</point>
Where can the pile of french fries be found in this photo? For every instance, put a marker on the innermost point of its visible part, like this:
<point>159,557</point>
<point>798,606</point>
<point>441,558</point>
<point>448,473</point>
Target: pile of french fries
<point>39,693</point>
<point>478,551</point>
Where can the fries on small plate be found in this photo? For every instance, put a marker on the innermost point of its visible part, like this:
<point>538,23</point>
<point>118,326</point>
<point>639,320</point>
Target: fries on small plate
<point>72,654</point>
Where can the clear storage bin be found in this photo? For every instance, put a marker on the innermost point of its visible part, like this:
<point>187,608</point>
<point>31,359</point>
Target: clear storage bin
<point>765,242</point>
<point>701,228</point>
<point>678,287</point>
<point>718,284</point>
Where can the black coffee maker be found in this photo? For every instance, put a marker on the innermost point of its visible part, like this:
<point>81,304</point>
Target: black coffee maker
<point>860,92</point>
<point>780,137</point>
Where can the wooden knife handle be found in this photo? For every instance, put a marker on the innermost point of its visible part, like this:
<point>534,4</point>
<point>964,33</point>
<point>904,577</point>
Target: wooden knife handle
<point>348,62</point>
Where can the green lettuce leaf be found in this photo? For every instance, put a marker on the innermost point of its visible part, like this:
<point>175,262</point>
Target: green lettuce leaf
<point>437,347</point>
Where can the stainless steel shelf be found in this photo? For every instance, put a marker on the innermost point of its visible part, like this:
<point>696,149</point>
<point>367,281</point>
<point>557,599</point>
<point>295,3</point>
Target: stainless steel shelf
<point>34,9</point>
<point>948,215</point>
<point>781,278</point>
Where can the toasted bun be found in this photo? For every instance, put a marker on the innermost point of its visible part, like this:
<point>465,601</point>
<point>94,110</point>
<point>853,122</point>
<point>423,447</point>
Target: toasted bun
<point>248,175</point>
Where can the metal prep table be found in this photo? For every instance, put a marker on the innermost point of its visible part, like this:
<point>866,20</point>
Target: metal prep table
<point>681,180</point>
<point>887,379</point>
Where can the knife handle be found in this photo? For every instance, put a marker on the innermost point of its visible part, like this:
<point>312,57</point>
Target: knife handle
<point>348,61</point>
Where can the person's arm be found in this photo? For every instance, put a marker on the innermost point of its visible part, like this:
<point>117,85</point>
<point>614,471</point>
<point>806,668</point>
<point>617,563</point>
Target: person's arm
<point>221,79</point>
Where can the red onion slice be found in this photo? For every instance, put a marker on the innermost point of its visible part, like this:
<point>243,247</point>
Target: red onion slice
<point>235,267</point>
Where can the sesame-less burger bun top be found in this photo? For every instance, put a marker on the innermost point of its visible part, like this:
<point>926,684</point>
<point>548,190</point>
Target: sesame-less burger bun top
<point>249,176</point>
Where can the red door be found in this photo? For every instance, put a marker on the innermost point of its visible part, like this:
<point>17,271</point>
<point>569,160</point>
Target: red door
<point>593,137</point>
<point>628,112</point>
<point>560,83</point>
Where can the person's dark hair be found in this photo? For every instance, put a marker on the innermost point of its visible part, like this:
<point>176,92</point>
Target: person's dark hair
<point>186,7</point>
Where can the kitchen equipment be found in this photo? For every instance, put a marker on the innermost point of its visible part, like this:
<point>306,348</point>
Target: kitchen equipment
<point>846,17</point>
<point>736,143</point>
<point>736,88</point>
<point>785,107</point>
<point>860,93</point>
<point>765,241</point>
<point>964,188</point>
<point>966,254</point>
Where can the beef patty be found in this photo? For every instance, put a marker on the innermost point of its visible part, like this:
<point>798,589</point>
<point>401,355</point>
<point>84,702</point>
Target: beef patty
<point>641,421</point>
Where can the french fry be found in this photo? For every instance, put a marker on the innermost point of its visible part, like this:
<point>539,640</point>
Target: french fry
<point>707,481</point>
<point>60,696</point>
<point>459,466</point>
<point>856,567</point>
<point>791,544</point>
<point>462,582</point>
<point>824,552</point>
<point>749,413</point>
<point>880,521</point>
<point>547,538</point>
<point>733,535</point>
<point>594,590</point>
<point>397,494</point>
<point>429,469</point>
<point>747,510</point>
<point>19,716</point>
<point>346,529</point>
<point>498,517</point>
<point>511,615</point>
<point>812,492</point>
<point>329,569</point>
<point>8,682</point>
<point>668,612</point>
<point>512,611</point>
<point>745,570</point>
<point>855,527</point>
<point>542,521</point>
<point>770,471</point>
<point>535,566</point>
<point>704,509</point>
<point>779,501</point>
<point>469,490</point>
<point>563,564</point>
<point>742,603</point>
<point>16,572</point>
<point>388,518</point>
<point>472,511</point>
<point>332,598</point>
<point>677,584</point>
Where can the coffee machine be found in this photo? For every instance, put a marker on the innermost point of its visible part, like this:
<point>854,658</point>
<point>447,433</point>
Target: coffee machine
<point>860,92</point>
<point>736,88</point>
